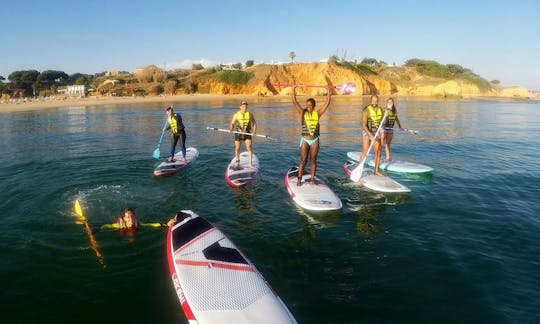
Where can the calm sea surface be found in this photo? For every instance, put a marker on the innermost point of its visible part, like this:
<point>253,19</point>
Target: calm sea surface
<point>463,247</point>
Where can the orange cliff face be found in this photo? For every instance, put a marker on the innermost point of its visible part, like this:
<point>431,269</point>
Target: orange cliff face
<point>390,81</point>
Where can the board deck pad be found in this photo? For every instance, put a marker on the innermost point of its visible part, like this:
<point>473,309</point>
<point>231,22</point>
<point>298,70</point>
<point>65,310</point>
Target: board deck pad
<point>243,174</point>
<point>397,166</point>
<point>214,281</point>
<point>308,196</point>
<point>168,168</point>
<point>376,183</point>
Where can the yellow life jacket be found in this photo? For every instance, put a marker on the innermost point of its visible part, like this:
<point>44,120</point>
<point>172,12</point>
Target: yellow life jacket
<point>173,123</point>
<point>310,123</point>
<point>390,118</point>
<point>243,122</point>
<point>374,118</point>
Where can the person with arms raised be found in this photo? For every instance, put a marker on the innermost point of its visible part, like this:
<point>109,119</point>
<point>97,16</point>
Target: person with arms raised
<point>309,140</point>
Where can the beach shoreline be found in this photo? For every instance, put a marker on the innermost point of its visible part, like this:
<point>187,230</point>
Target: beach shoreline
<point>167,100</point>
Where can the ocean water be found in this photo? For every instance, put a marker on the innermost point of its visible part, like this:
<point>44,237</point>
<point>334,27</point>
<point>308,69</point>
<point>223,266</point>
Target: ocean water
<point>462,247</point>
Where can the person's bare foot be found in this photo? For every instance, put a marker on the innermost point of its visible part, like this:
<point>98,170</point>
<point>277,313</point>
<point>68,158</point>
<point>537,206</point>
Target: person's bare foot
<point>378,173</point>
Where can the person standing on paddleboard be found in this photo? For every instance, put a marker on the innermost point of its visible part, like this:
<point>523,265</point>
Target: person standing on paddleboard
<point>388,132</point>
<point>178,133</point>
<point>309,140</point>
<point>372,116</point>
<point>243,121</point>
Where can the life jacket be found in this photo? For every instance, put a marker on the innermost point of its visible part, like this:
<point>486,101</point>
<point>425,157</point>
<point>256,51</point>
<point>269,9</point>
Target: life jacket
<point>122,225</point>
<point>390,118</point>
<point>374,117</point>
<point>310,123</point>
<point>243,123</point>
<point>175,123</point>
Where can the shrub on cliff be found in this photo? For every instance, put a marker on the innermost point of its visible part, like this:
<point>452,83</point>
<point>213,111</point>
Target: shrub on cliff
<point>235,78</point>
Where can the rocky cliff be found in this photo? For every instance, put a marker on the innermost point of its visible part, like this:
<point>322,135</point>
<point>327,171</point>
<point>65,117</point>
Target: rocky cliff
<point>387,81</point>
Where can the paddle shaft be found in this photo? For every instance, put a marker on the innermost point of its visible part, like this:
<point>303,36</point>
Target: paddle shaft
<point>237,132</point>
<point>357,172</point>
<point>93,242</point>
<point>162,133</point>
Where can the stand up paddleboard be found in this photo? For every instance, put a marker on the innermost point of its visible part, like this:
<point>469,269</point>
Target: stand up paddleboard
<point>311,197</point>
<point>396,166</point>
<point>376,183</point>
<point>168,168</point>
<point>214,281</point>
<point>241,175</point>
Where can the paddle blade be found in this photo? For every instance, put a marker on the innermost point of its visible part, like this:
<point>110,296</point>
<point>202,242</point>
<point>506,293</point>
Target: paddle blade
<point>347,88</point>
<point>356,174</point>
<point>78,209</point>
<point>156,154</point>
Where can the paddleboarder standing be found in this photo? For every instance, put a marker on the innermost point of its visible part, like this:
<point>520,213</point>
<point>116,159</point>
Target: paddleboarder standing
<point>388,132</point>
<point>243,121</point>
<point>178,132</point>
<point>372,116</point>
<point>309,140</point>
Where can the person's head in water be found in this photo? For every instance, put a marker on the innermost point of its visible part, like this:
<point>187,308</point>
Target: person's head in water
<point>310,104</point>
<point>129,217</point>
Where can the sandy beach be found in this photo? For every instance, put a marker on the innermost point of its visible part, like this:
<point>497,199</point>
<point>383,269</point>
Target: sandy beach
<point>95,101</point>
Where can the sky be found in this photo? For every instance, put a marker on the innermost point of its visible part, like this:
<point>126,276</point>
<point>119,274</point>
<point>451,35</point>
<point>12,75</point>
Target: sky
<point>499,40</point>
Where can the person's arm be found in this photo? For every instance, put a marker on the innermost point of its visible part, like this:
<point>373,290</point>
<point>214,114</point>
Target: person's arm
<point>295,101</point>
<point>231,124</point>
<point>113,226</point>
<point>326,104</point>
<point>253,124</point>
<point>365,114</point>
<point>398,122</point>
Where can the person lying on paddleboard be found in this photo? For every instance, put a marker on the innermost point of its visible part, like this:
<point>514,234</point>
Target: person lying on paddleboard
<point>372,115</point>
<point>178,132</point>
<point>243,121</point>
<point>128,223</point>
<point>309,140</point>
<point>388,132</point>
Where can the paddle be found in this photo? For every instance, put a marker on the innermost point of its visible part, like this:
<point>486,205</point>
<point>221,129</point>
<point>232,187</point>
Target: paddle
<point>156,155</point>
<point>78,211</point>
<point>348,87</point>
<point>356,174</point>
<point>236,132</point>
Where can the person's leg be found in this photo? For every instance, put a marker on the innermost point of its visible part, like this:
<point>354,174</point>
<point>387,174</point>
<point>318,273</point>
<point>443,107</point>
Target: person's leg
<point>313,152</point>
<point>237,152</point>
<point>365,146</point>
<point>182,141</point>
<point>388,139</point>
<point>304,151</point>
<point>173,146</point>
<point>377,150</point>
<point>250,152</point>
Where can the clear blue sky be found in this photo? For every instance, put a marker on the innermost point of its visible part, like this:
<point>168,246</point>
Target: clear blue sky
<point>496,39</point>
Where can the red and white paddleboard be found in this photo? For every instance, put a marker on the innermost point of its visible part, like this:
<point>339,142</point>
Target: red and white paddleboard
<point>214,281</point>
<point>311,197</point>
<point>168,168</point>
<point>242,174</point>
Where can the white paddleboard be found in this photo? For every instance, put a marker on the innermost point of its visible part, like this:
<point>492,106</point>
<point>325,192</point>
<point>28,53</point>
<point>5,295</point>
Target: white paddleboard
<point>214,281</point>
<point>167,168</point>
<point>376,183</point>
<point>243,174</point>
<point>311,197</point>
<point>396,166</point>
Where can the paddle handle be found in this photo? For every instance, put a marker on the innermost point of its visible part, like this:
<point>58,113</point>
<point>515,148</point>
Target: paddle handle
<point>237,132</point>
<point>412,131</point>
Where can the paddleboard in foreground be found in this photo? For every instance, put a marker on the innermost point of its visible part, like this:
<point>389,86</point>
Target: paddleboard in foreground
<point>376,183</point>
<point>396,166</point>
<point>168,168</point>
<point>311,197</point>
<point>214,281</point>
<point>242,174</point>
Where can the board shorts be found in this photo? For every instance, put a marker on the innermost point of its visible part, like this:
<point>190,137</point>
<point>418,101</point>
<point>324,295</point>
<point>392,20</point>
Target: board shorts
<point>241,137</point>
<point>388,130</point>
